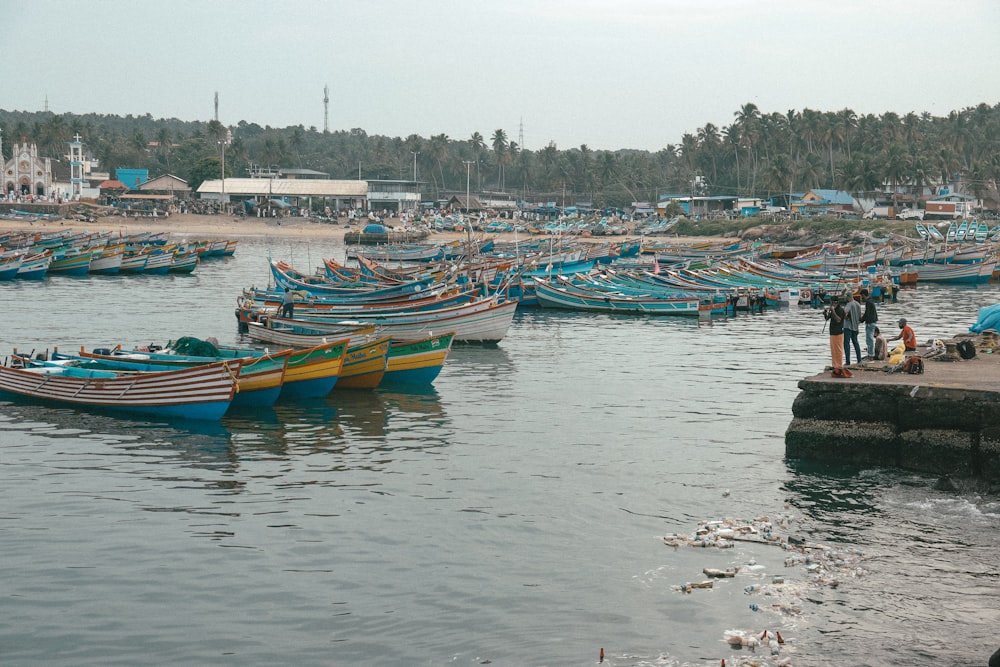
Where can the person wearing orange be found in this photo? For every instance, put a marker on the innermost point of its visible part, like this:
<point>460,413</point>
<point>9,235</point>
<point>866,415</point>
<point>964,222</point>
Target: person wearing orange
<point>835,315</point>
<point>906,333</point>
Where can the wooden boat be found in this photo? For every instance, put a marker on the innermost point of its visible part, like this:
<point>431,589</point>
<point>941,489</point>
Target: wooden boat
<point>922,231</point>
<point>295,334</point>
<point>975,272</point>
<point>72,261</point>
<point>417,362</point>
<point>134,261</point>
<point>563,294</point>
<point>183,262</point>
<point>108,260</point>
<point>10,265</point>
<point>934,233</point>
<point>364,365</point>
<point>199,392</point>
<point>484,325</point>
<point>158,262</point>
<point>35,266</point>
<point>259,382</point>
<point>313,372</point>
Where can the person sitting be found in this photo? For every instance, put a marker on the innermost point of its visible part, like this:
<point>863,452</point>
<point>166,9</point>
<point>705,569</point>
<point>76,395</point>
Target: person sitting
<point>906,334</point>
<point>881,347</point>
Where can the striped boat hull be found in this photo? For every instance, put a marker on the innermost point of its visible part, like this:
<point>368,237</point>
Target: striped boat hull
<point>201,392</point>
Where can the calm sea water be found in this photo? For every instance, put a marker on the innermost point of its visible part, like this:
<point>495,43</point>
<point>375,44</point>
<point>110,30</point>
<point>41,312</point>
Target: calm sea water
<point>511,515</point>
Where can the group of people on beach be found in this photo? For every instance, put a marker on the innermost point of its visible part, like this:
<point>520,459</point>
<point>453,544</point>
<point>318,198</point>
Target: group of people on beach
<point>845,323</point>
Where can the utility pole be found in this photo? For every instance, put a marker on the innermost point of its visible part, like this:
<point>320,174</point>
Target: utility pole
<point>415,154</point>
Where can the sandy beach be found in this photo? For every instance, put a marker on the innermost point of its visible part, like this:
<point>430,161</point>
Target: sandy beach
<point>196,226</point>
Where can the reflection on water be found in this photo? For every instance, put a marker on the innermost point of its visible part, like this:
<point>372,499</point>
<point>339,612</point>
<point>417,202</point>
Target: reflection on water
<point>459,524</point>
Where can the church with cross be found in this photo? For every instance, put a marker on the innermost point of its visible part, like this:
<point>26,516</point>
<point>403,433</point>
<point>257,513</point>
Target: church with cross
<point>26,174</point>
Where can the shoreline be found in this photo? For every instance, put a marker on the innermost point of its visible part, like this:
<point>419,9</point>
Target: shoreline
<point>227,226</point>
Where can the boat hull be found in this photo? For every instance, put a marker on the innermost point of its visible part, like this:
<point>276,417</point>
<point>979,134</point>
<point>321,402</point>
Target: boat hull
<point>202,392</point>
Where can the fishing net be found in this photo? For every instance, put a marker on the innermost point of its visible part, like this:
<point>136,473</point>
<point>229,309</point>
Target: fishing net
<point>194,347</point>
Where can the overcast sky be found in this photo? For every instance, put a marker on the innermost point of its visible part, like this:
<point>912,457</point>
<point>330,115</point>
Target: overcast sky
<point>607,73</point>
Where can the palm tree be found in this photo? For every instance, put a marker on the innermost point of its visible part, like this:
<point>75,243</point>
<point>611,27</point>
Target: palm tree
<point>163,140</point>
<point>747,119</point>
<point>500,150</point>
<point>438,148</point>
<point>478,145</point>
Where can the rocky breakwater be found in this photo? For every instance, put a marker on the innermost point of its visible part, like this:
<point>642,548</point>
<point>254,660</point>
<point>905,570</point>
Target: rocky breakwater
<point>945,421</point>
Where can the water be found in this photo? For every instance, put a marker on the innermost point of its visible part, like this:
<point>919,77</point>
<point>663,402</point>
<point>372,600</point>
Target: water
<point>511,514</point>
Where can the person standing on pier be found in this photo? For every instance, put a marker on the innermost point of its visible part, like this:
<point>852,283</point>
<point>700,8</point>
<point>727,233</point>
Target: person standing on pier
<point>870,318</point>
<point>852,324</point>
<point>835,315</point>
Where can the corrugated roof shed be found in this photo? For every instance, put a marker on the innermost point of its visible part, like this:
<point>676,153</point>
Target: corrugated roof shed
<point>279,187</point>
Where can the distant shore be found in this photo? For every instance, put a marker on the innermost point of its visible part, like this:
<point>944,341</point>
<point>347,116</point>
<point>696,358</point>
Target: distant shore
<point>199,226</point>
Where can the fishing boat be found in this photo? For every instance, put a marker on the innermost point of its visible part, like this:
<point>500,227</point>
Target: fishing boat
<point>417,362</point>
<point>260,378</point>
<point>10,265</point>
<point>183,262</point>
<point>487,324</point>
<point>922,231</point>
<point>364,365</point>
<point>199,392</point>
<point>313,372</point>
<point>934,233</point>
<point>298,334</point>
<point>35,266</point>
<point>108,260</point>
<point>562,293</point>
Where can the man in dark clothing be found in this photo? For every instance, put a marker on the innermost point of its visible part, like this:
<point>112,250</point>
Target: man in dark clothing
<point>870,318</point>
<point>288,304</point>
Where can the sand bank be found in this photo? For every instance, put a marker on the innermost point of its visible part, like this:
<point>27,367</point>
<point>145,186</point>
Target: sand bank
<point>195,226</point>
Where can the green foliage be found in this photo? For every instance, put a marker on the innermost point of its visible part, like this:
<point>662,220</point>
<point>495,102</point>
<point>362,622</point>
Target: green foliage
<point>759,154</point>
<point>203,170</point>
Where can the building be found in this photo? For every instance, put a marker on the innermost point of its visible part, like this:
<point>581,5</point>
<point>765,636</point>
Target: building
<point>398,196</point>
<point>283,192</point>
<point>819,202</point>
<point>26,174</point>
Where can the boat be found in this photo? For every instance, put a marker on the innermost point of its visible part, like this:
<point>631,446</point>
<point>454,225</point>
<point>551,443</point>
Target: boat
<point>183,262</point>
<point>563,294</point>
<point>364,365</point>
<point>417,362</point>
<point>35,266</point>
<point>934,233</point>
<point>10,265</point>
<point>922,231</point>
<point>313,372</point>
<point>963,228</point>
<point>260,379</point>
<point>108,260</point>
<point>200,392</point>
<point>487,324</point>
<point>296,334</point>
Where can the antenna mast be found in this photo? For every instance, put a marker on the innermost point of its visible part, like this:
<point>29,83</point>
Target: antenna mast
<point>216,105</point>
<point>326,108</point>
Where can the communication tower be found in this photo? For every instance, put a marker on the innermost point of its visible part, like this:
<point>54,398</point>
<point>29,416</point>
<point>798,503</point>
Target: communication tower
<point>326,108</point>
<point>216,105</point>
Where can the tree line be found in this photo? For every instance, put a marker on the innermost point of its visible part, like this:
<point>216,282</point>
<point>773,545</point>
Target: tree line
<point>757,155</point>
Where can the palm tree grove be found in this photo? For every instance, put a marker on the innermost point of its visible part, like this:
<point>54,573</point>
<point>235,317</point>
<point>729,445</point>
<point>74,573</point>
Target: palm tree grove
<point>757,155</point>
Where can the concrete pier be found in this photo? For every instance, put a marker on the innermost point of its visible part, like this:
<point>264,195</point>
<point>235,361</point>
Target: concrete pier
<point>945,421</point>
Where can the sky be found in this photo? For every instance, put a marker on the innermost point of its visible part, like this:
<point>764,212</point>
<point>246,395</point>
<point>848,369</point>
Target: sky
<point>611,74</point>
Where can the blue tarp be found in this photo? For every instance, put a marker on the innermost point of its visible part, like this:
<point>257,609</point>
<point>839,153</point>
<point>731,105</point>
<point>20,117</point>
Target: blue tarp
<point>989,318</point>
<point>375,229</point>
